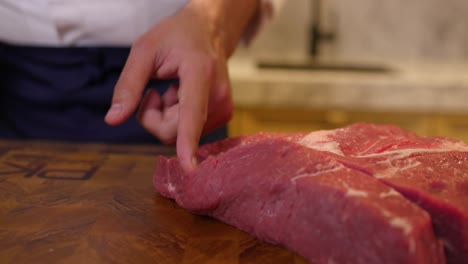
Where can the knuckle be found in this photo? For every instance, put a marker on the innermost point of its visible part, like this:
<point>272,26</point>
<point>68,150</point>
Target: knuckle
<point>211,66</point>
<point>227,112</point>
<point>227,107</point>
<point>208,65</point>
<point>223,93</point>
<point>163,133</point>
<point>165,136</point>
<point>167,139</point>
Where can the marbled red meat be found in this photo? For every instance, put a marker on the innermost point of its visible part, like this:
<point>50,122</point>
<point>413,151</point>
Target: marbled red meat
<point>316,193</point>
<point>432,172</point>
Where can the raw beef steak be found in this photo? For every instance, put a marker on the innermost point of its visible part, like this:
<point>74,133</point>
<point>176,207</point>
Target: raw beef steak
<point>281,190</point>
<point>430,171</point>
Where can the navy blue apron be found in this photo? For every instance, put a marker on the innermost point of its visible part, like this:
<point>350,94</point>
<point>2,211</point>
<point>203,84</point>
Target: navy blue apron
<point>64,94</point>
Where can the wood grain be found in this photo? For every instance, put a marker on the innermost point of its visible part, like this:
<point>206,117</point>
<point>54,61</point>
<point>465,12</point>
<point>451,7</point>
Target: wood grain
<point>95,203</point>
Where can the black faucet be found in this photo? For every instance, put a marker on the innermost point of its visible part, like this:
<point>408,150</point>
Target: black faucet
<point>316,36</point>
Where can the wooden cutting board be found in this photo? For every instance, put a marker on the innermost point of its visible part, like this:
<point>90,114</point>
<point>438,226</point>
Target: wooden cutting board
<point>95,203</point>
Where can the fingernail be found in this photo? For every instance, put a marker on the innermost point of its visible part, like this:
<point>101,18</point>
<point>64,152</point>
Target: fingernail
<point>114,110</point>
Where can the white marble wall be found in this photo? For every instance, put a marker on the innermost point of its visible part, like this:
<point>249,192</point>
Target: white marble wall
<point>369,30</point>
<point>286,35</point>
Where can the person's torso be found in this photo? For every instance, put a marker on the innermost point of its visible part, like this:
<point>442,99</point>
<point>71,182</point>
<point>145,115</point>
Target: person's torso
<point>81,22</point>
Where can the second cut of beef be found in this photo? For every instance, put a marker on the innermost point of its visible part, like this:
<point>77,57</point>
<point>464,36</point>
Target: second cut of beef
<point>432,172</point>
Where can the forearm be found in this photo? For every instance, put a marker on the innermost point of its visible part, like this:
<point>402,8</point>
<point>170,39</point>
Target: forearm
<point>228,19</point>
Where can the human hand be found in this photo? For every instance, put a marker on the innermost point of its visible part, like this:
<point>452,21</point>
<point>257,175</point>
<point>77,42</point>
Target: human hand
<point>192,46</point>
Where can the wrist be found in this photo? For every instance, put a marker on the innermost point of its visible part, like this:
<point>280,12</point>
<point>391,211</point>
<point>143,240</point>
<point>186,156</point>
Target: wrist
<point>227,20</point>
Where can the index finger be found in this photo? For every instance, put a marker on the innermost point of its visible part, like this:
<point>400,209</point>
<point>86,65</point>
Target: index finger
<point>132,81</point>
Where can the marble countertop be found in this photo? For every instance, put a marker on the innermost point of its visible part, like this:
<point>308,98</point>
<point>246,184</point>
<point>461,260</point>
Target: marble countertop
<point>409,87</point>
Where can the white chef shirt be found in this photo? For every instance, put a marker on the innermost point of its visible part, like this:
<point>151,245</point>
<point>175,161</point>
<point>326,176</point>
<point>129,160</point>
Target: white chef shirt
<point>93,22</point>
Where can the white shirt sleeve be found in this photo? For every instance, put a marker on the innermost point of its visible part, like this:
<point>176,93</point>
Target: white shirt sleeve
<point>268,9</point>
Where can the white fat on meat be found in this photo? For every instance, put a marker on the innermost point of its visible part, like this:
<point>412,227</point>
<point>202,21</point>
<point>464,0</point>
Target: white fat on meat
<point>314,174</point>
<point>357,193</point>
<point>402,224</point>
<point>321,141</point>
<point>410,165</point>
<point>386,173</point>
<point>394,170</point>
<point>405,153</point>
<point>385,212</point>
<point>171,187</point>
<point>398,222</point>
<point>351,192</point>
<point>391,192</point>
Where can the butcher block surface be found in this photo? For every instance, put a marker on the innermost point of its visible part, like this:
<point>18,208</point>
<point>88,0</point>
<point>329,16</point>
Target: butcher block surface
<point>95,203</point>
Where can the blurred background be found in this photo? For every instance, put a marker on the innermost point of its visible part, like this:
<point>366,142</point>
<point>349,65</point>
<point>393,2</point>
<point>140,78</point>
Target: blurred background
<point>322,64</point>
<point>369,30</point>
